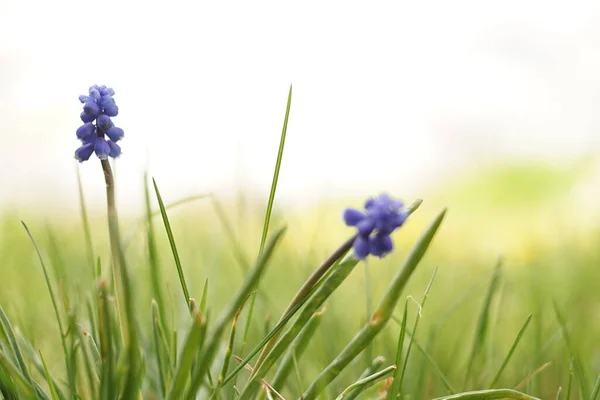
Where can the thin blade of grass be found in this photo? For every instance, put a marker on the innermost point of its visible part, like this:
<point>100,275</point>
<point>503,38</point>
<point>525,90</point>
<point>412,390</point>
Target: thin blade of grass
<point>269,209</point>
<point>49,379</point>
<point>532,375</point>
<point>154,266</point>
<point>570,381</point>
<point>511,351</point>
<point>375,365</point>
<point>577,365</point>
<point>489,394</point>
<point>163,212</point>
<point>483,321</point>
<point>105,329</point>
<point>414,330</point>
<point>193,343</point>
<point>395,389</point>
<point>72,388</point>
<point>160,349</point>
<point>382,313</point>
<point>364,383</point>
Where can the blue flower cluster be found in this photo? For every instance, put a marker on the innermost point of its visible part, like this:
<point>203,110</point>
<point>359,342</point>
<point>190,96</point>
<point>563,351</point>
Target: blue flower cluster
<point>383,215</point>
<point>98,107</point>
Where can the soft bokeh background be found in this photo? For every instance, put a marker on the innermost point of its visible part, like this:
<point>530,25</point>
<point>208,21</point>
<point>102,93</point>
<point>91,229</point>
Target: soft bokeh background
<point>487,108</point>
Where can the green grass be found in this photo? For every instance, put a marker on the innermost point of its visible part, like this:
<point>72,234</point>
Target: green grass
<point>269,312</point>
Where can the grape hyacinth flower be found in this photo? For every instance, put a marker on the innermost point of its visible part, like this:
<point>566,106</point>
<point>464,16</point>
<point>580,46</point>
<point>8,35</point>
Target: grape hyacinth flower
<point>383,215</point>
<point>98,108</point>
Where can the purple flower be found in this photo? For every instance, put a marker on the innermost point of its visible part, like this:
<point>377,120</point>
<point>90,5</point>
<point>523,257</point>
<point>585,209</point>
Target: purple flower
<point>381,217</point>
<point>98,108</point>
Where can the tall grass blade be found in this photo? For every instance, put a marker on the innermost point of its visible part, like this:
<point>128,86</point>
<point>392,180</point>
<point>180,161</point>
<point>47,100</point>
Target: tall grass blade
<point>165,218</point>
<point>511,351</point>
<point>364,383</point>
<point>154,266</point>
<point>16,383</point>
<point>483,321</point>
<point>380,317</point>
<point>269,209</point>
<point>107,351</point>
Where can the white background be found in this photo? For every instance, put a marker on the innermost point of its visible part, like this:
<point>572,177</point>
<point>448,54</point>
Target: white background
<point>387,95</point>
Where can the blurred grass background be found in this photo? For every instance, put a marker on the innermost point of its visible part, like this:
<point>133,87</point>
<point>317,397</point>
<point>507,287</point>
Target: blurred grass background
<point>542,220</point>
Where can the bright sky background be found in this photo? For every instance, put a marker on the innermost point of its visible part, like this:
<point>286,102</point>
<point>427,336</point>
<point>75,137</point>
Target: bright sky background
<point>387,96</point>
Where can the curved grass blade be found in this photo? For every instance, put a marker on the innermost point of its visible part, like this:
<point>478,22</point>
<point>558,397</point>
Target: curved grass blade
<point>380,317</point>
<point>490,394</point>
<point>483,322</point>
<point>375,365</point>
<point>55,307</point>
<point>364,383</point>
<point>165,218</point>
<point>511,351</point>
<point>248,286</point>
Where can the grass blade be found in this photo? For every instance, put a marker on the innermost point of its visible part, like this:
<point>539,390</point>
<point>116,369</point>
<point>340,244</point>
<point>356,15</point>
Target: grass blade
<point>165,218</point>
<point>396,385</point>
<point>483,322</point>
<point>490,394</point>
<point>366,382</point>
<point>380,317</point>
<point>296,349</point>
<point>55,307</point>
<point>414,330</point>
<point>248,286</point>
<point>193,343</point>
<point>228,352</point>
<point>105,329</point>
<point>155,277</point>
<point>49,379</point>
<point>375,365</point>
<point>577,365</point>
<point>511,351</point>
<point>269,209</point>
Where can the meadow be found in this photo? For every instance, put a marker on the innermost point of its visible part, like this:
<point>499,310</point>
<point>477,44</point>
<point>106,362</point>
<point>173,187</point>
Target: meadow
<point>495,297</point>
